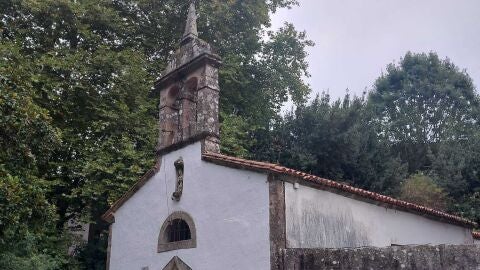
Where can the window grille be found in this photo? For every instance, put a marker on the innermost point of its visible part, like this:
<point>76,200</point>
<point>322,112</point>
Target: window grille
<point>178,230</point>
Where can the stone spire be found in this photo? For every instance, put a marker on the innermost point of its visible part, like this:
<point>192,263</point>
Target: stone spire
<point>189,93</point>
<point>191,26</point>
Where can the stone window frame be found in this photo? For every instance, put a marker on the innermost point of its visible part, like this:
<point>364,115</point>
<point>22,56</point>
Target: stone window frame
<point>164,245</point>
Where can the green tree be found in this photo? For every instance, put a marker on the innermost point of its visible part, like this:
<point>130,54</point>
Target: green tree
<point>468,206</point>
<point>423,102</point>
<point>28,141</point>
<point>338,141</point>
<point>77,115</point>
<point>427,110</point>
<point>28,238</point>
<point>421,189</point>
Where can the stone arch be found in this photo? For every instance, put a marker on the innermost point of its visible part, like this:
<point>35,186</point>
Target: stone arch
<point>172,95</point>
<point>188,117</point>
<point>175,220</point>
<point>191,85</point>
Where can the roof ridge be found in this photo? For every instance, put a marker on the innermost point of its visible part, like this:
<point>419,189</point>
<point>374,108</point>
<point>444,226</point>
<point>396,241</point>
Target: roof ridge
<point>267,166</point>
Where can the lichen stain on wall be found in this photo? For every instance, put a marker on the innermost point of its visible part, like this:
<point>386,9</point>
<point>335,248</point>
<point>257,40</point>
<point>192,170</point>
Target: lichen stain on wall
<point>426,257</point>
<point>313,228</point>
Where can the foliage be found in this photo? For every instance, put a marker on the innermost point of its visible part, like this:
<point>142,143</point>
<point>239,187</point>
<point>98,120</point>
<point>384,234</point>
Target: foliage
<point>235,134</point>
<point>78,124</point>
<point>94,253</point>
<point>421,103</point>
<point>468,206</point>
<point>428,112</point>
<point>421,117</point>
<point>421,189</point>
<point>31,253</point>
<point>24,208</point>
<point>336,140</point>
<point>28,238</point>
<point>27,143</point>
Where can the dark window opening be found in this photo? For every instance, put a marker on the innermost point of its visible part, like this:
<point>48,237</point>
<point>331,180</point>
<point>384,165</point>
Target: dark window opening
<point>178,230</point>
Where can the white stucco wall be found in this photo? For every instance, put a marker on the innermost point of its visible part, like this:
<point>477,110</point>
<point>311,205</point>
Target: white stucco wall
<point>230,209</point>
<point>317,218</point>
<point>476,242</point>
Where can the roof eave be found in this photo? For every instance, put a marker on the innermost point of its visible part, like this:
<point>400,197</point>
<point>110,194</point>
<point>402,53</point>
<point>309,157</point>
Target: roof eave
<point>187,68</point>
<point>345,190</point>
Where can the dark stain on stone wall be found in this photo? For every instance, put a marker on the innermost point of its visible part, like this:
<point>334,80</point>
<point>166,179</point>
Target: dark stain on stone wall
<point>314,229</point>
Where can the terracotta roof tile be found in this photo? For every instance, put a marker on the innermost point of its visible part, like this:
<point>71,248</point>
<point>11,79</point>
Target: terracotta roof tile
<point>476,235</point>
<point>274,168</point>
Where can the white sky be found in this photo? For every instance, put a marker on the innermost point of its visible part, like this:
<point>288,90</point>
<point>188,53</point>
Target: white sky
<point>356,39</point>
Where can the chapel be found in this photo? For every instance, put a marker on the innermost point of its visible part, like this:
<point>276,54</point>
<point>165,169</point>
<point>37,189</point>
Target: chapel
<point>200,209</point>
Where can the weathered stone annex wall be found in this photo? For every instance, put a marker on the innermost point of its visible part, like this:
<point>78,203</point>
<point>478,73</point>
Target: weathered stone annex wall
<point>402,258</point>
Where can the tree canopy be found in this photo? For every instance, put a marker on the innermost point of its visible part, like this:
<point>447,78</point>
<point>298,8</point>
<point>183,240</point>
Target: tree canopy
<point>78,122</point>
<point>428,111</point>
<point>417,128</point>
<point>337,140</point>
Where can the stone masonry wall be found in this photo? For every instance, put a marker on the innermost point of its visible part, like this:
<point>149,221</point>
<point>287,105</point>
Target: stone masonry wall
<point>400,257</point>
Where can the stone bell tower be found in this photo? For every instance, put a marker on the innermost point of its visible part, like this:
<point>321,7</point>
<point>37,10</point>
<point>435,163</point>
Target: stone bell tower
<point>189,93</point>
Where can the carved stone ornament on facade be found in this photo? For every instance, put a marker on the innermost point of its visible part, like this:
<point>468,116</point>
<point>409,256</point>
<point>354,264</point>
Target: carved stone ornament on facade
<point>176,264</point>
<point>179,182</point>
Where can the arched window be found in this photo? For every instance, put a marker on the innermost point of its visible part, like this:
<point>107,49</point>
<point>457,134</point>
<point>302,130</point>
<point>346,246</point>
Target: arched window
<point>190,89</point>
<point>172,95</point>
<point>177,232</point>
<point>191,85</point>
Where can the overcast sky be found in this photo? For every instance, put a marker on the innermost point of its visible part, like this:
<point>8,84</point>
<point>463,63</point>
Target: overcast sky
<point>356,39</point>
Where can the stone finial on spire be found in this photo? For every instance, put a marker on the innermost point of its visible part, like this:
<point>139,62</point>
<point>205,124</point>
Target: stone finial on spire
<point>189,93</point>
<point>191,26</point>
